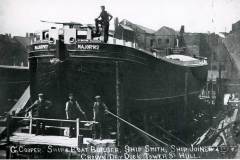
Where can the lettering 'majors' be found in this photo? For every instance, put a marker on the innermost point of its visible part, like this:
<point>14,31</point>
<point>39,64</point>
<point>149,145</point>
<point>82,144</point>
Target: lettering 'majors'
<point>88,47</point>
<point>41,47</point>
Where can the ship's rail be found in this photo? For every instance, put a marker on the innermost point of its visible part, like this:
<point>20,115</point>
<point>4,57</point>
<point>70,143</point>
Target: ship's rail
<point>16,138</point>
<point>8,124</point>
<point>122,42</point>
<point>77,121</point>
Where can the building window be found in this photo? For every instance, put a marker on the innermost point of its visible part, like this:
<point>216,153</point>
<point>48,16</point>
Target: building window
<point>214,67</point>
<point>223,67</point>
<point>159,41</point>
<point>167,41</point>
<point>151,42</point>
<point>214,56</point>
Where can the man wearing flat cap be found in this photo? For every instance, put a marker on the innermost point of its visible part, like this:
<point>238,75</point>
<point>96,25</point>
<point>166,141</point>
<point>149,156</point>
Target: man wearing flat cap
<point>40,109</point>
<point>99,110</point>
<point>72,110</point>
<point>104,18</point>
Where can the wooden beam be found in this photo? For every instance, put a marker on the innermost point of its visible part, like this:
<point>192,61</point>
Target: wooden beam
<point>146,128</point>
<point>186,93</point>
<point>118,101</point>
<point>77,127</point>
<point>8,127</point>
<point>30,124</point>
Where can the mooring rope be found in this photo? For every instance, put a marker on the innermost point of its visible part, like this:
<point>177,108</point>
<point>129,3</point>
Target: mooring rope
<point>168,133</point>
<point>149,135</point>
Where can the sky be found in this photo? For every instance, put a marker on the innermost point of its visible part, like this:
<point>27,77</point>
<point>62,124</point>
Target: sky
<point>20,16</point>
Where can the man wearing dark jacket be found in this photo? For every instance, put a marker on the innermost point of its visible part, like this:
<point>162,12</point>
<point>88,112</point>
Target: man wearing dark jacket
<point>104,18</point>
<point>72,112</point>
<point>99,110</point>
<point>73,108</point>
<point>40,109</point>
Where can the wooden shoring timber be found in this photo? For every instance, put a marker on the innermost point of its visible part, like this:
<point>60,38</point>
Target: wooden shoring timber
<point>119,100</point>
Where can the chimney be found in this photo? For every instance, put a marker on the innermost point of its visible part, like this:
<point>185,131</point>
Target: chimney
<point>116,23</point>
<point>182,29</point>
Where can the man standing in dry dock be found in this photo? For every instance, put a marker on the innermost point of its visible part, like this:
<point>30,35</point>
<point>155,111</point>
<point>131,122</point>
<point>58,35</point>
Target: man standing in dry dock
<point>99,109</point>
<point>40,110</point>
<point>72,111</point>
<point>104,21</point>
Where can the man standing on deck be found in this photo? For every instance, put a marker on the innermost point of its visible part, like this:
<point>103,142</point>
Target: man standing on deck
<point>40,110</point>
<point>99,109</point>
<point>104,20</point>
<point>72,112</point>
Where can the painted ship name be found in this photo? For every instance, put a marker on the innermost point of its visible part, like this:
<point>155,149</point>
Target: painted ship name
<point>41,47</point>
<point>88,47</point>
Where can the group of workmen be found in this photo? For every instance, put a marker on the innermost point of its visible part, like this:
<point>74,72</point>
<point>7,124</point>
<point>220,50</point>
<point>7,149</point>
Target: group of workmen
<point>40,109</point>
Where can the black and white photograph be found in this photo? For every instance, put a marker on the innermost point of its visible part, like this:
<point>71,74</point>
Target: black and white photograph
<point>119,79</point>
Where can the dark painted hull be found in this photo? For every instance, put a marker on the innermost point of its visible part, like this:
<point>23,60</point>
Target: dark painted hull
<point>145,80</point>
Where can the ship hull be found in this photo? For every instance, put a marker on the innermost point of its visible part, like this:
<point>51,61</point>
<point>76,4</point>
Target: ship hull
<point>145,79</point>
<point>126,78</point>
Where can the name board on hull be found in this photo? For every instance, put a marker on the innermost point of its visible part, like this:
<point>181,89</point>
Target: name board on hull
<point>88,47</point>
<point>41,47</point>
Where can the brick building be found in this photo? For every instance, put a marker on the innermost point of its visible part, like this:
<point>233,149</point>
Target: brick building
<point>236,26</point>
<point>141,35</point>
<point>13,50</point>
<point>165,37</point>
<point>146,38</point>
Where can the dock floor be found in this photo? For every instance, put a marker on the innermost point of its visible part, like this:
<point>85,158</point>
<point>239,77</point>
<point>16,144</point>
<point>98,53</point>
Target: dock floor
<point>28,139</point>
